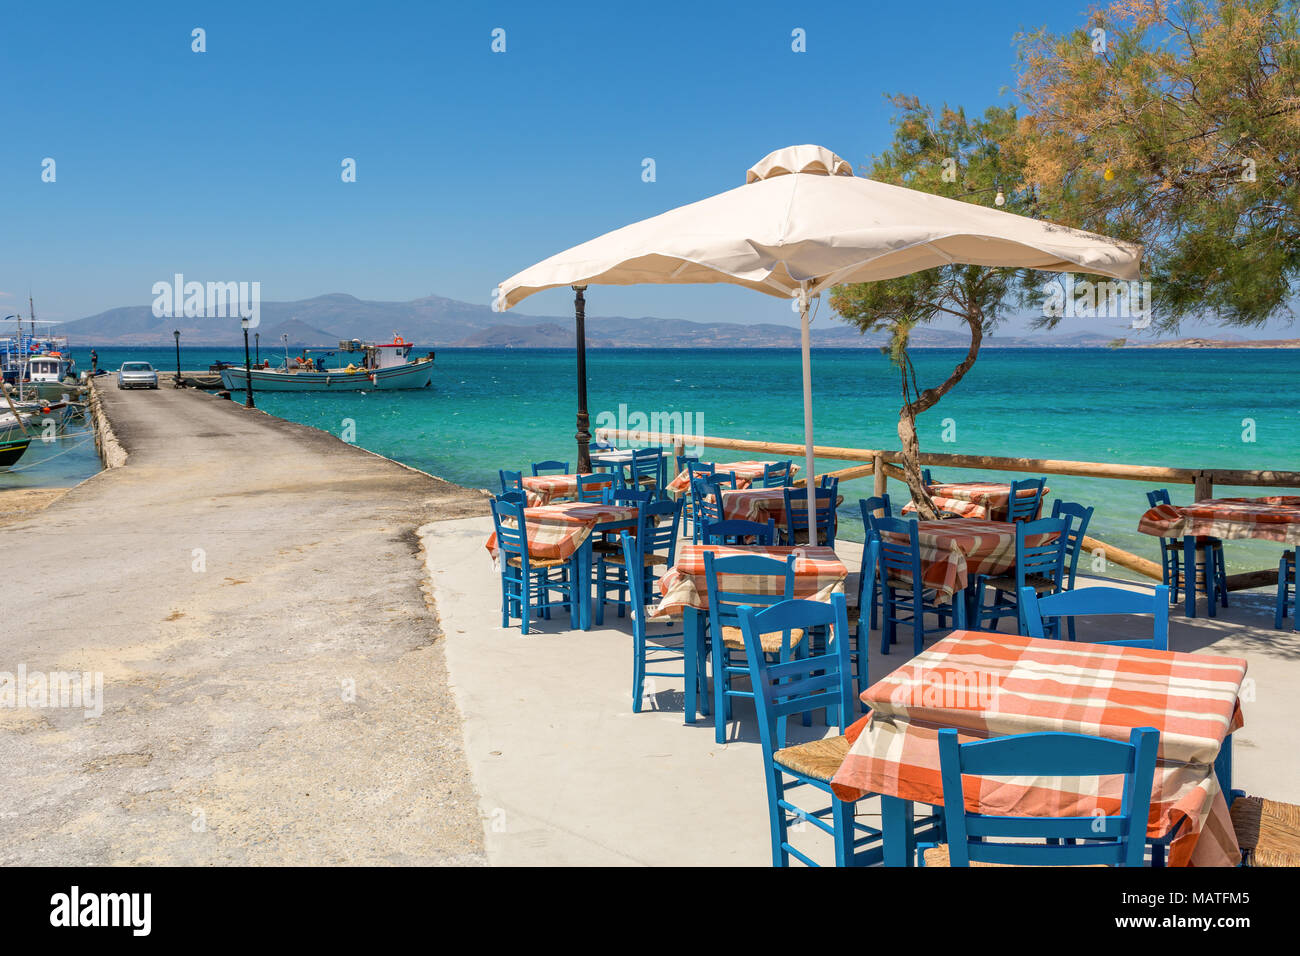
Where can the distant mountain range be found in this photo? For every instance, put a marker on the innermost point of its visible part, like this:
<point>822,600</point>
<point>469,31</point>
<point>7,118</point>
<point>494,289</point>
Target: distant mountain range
<point>437,322</point>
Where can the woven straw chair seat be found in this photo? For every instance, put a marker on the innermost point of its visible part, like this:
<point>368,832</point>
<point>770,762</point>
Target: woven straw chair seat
<point>536,563</point>
<point>818,759</point>
<point>1036,581</point>
<point>734,639</point>
<point>938,856</point>
<point>650,559</point>
<point>1268,831</point>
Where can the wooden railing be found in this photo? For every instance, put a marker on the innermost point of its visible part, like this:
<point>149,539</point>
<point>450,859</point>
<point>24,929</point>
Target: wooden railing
<point>883,465</point>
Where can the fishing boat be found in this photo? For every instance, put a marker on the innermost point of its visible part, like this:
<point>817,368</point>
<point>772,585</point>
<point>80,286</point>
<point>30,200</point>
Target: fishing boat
<point>13,443</point>
<point>36,360</point>
<point>370,366</point>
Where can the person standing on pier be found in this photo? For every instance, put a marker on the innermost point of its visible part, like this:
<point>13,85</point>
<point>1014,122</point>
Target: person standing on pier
<point>94,362</point>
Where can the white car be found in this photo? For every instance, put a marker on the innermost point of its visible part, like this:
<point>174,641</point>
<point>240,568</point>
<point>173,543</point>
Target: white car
<point>137,375</point>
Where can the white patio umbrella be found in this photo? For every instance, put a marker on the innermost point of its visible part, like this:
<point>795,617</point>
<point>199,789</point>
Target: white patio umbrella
<point>803,223</point>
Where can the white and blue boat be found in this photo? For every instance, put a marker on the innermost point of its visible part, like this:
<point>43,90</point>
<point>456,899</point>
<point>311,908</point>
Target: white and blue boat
<point>369,366</point>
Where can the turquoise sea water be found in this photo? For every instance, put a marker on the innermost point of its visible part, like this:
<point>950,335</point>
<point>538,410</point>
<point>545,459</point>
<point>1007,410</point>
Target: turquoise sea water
<point>494,409</point>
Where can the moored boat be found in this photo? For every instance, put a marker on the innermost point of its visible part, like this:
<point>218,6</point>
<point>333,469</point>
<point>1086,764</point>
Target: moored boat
<point>382,366</point>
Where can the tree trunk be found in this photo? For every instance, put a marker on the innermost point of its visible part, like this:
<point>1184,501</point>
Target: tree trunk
<point>909,442</point>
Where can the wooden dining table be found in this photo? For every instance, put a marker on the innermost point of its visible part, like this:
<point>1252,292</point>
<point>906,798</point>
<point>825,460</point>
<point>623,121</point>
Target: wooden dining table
<point>974,499</point>
<point>745,472</point>
<point>566,530</point>
<point>545,489</point>
<point>987,684</point>
<point>1270,518</point>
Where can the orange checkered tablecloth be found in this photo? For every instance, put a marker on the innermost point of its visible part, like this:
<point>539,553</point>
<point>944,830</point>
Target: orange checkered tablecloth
<point>559,530</point>
<point>954,550</point>
<point>991,685</point>
<point>746,472</point>
<point>818,573</point>
<point>543,489</point>
<point>974,499</point>
<point>1275,518</point>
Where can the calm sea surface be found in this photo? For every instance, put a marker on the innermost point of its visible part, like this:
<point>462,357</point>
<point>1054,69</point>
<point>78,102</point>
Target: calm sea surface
<point>493,409</point>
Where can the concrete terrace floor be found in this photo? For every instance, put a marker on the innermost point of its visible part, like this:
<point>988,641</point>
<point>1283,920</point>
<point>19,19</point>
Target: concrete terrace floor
<point>273,678</point>
<point>568,775</point>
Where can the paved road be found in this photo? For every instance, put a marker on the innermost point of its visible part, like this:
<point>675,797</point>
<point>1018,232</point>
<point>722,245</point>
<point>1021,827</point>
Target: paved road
<point>274,685</point>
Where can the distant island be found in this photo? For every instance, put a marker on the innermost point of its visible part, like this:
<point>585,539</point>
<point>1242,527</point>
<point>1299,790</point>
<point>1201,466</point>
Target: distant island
<point>436,321</point>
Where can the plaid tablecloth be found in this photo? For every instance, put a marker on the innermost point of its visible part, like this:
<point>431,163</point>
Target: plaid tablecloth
<point>953,551</point>
<point>543,489</point>
<point>974,499</point>
<point>558,530</point>
<point>1276,518</point>
<point>818,573</point>
<point>990,685</point>
<point>746,472</point>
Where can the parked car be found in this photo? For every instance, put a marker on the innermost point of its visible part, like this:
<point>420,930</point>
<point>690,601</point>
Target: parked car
<point>137,375</point>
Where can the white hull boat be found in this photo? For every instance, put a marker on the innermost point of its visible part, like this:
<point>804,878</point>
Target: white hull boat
<point>384,367</point>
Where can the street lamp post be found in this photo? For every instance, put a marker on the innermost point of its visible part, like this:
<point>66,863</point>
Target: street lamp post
<point>584,433</point>
<point>257,346</point>
<point>248,367</point>
<point>177,333</point>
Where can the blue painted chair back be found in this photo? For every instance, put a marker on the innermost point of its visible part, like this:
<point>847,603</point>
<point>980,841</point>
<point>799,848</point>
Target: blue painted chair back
<point>1077,517</point>
<point>646,464</point>
<point>628,496</point>
<point>796,514</point>
<point>512,538</point>
<point>1044,560</point>
<point>1118,840</point>
<point>900,561</point>
<point>736,531</point>
<point>829,483</point>
<point>511,480</point>
<point>778,580</point>
<point>657,528</point>
<point>591,488</point>
<point>550,468</point>
<point>800,686</point>
<point>1160,496</point>
<point>926,478</point>
<point>870,565</point>
<point>1089,601</point>
<point>706,493</point>
<point>1026,508</point>
<point>869,508</point>
<point>776,474</point>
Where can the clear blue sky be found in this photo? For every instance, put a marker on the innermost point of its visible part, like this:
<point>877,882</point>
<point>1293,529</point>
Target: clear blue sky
<point>471,165</point>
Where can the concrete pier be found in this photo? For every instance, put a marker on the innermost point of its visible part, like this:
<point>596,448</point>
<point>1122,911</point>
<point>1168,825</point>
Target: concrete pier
<point>274,687</point>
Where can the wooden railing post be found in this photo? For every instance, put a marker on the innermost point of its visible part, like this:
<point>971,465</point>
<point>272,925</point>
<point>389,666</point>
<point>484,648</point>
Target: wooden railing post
<point>882,480</point>
<point>1204,486</point>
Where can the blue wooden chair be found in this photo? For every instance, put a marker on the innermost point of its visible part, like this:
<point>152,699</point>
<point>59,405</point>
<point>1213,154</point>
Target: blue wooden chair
<point>725,638</point>
<point>1077,517</point>
<point>591,488</point>
<point>868,587</point>
<point>1040,567</point>
<point>737,531</point>
<point>529,583</point>
<point>1088,601</point>
<point>926,478</point>
<point>511,480</point>
<point>1026,508</point>
<point>645,469</point>
<point>1091,840</point>
<point>902,589</point>
<point>1172,554</point>
<point>829,483</point>
<point>796,688</point>
<point>867,590</point>
<point>697,471</point>
<point>1286,591</point>
<point>656,536</point>
<point>706,494</point>
<point>648,651</point>
<point>550,468</point>
<point>776,475</point>
<point>796,516</point>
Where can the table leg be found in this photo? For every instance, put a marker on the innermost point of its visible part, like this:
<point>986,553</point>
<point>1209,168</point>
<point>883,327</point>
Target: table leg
<point>1189,575</point>
<point>896,831</point>
<point>1223,768</point>
<point>692,635</point>
<point>584,583</point>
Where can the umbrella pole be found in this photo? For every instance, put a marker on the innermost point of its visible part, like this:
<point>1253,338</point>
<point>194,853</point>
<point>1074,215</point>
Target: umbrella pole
<point>584,434</point>
<point>810,483</point>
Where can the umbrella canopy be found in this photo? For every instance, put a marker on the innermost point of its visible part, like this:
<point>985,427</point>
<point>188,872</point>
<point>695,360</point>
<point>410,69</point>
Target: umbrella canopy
<point>803,223</point>
<point>803,220</point>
